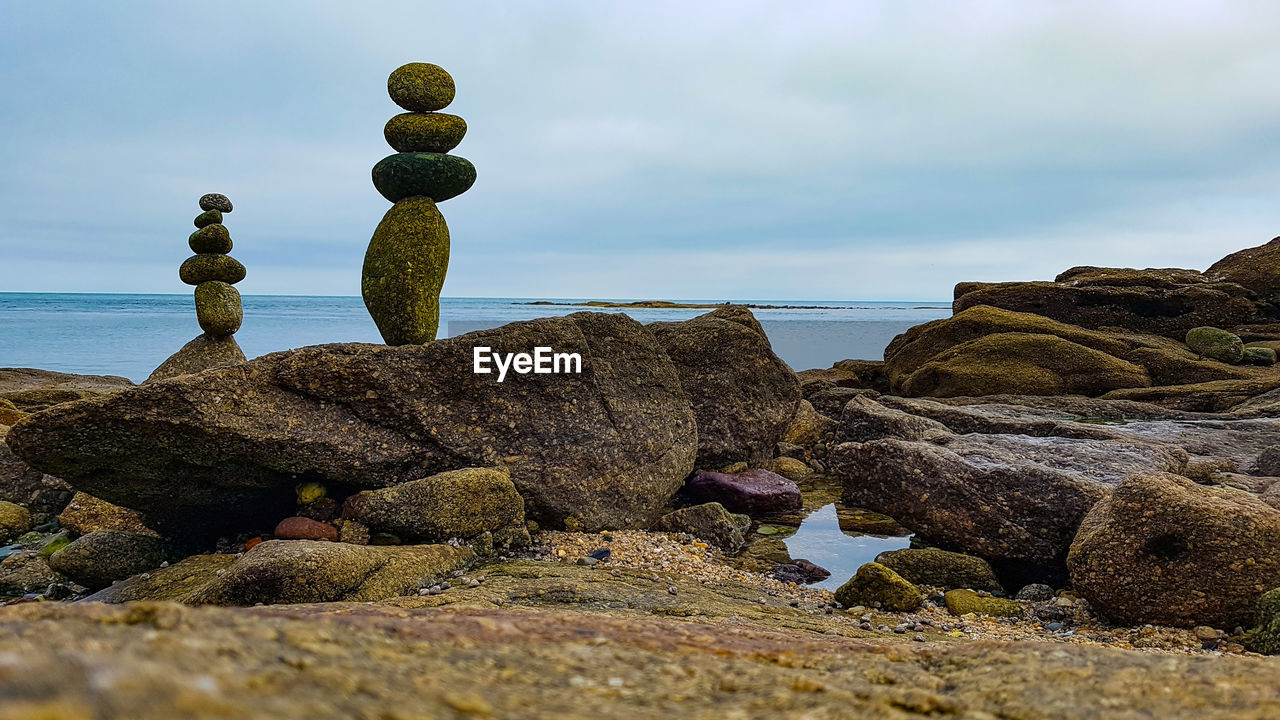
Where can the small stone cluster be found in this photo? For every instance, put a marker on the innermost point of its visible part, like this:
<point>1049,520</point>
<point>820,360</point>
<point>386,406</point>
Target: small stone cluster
<point>408,256</point>
<point>213,271</point>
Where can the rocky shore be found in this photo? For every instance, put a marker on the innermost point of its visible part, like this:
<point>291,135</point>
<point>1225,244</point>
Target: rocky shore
<point>1087,467</point>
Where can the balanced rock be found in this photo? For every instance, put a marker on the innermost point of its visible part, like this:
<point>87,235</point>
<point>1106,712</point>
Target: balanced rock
<point>1162,549</point>
<point>205,267</point>
<point>208,217</point>
<point>215,201</point>
<point>454,504</point>
<point>1217,344</point>
<point>431,175</point>
<point>743,394</point>
<point>211,239</point>
<point>202,353</point>
<point>429,132</point>
<point>224,450</point>
<point>421,87</point>
<point>404,269</point>
<point>218,308</point>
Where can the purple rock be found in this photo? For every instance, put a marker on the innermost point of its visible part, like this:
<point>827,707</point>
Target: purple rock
<point>751,491</point>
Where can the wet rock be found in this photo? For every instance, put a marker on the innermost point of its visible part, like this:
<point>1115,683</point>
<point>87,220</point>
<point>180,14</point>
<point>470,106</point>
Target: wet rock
<point>303,528</point>
<point>86,513</point>
<point>930,566</point>
<point>96,559</point>
<point>877,586</point>
<point>222,451</point>
<point>710,522</point>
<point>754,491</point>
<point>202,353</point>
<point>459,503</point>
<point>1162,549</point>
<point>743,395</point>
<point>963,602</point>
<point>14,521</point>
<point>302,571</point>
<point>1217,344</point>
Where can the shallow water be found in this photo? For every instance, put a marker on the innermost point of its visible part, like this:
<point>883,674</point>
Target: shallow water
<point>820,540</point>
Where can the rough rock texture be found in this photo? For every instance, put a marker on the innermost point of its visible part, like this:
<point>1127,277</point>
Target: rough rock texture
<point>1256,268</point>
<point>459,503</point>
<point>744,396</point>
<point>710,522</point>
<point>1166,302</point>
<point>14,520</point>
<point>1258,356</point>
<point>1001,497</point>
<point>1207,397</point>
<point>213,238</point>
<point>218,309</point>
<point>865,419</point>
<point>32,390</point>
<point>807,427</point>
<point>42,495</point>
<point>86,513</point>
<point>1217,344</point>
<point>96,559</point>
<point>755,491</point>
<point>1265,638</point>
<point>204,267</point>
<point>963,602</point>
<point>302,571</point>
<point>930,566</point>
<point>208,217</point>
<point>421,87</point>
<point>216,201</point>
<point>202,353</point>
<point>1162,549</point>
<point>404,269</point>
<point>435,176</point>
<point>876,586</point>
<point>223,450</point>
<point>431,132</point>
<point>26,571</point>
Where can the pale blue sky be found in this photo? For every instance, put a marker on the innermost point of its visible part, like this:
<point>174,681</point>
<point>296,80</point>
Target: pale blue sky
<point>719,150</point>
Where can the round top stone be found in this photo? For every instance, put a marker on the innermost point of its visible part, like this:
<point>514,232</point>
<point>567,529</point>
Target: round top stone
<point>215,201</point>
<point>421,87</point>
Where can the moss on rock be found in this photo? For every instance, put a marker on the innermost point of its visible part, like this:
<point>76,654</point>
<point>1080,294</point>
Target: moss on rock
<point>14,520</point>
<point>218,308</point>
<point>963,602</point>
<point>875,585</point>
<point>930,566</point>
<point>205,267</point>
<point>424,132</point>
<point>1217,344</point>
<point>421,87</point>
<point>210,239</point>
<point>208,217</point>
<point>404,269</point>
<point>1258,356</point>
<point>433,175</point>
<point>459,503</point>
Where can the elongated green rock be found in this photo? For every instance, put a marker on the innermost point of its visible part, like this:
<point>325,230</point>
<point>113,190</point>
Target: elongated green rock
<point>210,239</point>
<point>208,217</point>
<point>433,175</point>
<point>421,87</point>
<point>218,308</point>
<point>204,267</point>
<point>404,269</point>
<point>424,132</point>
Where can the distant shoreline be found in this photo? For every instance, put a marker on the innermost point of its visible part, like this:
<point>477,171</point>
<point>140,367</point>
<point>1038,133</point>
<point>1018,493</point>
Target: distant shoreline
<point>670,305</point>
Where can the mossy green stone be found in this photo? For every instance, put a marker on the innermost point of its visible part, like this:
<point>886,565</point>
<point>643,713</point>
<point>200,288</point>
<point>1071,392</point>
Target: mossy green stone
<point>14,520</point>
<point>424,132</point>
<point>1217,344</point>
<point>421,87</point>
<point>432,175</point>
<point>877,586</point>
<point>218,308</point>
<point>963,602</point>
<point>206,267</point>
<point>1258,356</point>
<point>404,270</point>
<point>208,217</point>
<point>211,239</point>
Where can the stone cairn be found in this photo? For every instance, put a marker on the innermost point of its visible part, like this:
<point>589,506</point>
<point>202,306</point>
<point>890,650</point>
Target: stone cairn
<point>218,308</point>
<point>405,264</point>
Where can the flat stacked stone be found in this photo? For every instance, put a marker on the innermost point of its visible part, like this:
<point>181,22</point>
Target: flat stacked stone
<point>218,310</point>
<point>408,257</point>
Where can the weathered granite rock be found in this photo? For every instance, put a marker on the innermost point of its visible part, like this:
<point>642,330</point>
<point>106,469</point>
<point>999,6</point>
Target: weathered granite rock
<point>710,522</point>
<point>1001,497</point>
<point>213,238</point>
<point>96,559</point>
<point>86,513</point>
<point>32,390</point>
<point>431,132</point>
<point>1256,268</point>
<point>865,419</point>
<point>743,395</point>
<point>14,520</point>
<point>223,450</point>
<point>404,269</point>
<point>931,566</point>
<point>1217,344</point>
<point>42,495</point>
<point>10,414</point>
<point>26,571</point>
<point>830,402</point>
<point>876,586</point>
<point>421,87</point>
<point>788,467</point>
<point>455,504</point>
<point>216,201</point>
<point>807,426</point>
<point>964,601</point>
<point>204,267</point>
<point>202,353</point>
<point>1162,549</point>
<point>218,309</point>
<point>755,491</point>
<point>305,571</point>
<point>177,582</point>
<point>1208,397</point>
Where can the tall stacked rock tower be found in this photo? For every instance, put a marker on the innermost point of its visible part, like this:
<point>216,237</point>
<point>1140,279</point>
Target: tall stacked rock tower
<point>218,308</point>
<point>408,256</point>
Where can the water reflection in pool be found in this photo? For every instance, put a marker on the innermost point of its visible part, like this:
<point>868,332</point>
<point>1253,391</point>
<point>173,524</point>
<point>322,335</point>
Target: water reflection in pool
<point>820,540</point>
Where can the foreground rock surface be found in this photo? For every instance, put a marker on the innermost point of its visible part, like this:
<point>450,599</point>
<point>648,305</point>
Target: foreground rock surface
<point>223,450</point>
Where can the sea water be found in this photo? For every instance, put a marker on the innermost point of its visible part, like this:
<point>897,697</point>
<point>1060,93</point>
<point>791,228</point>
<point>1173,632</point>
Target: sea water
<point>130,335</point>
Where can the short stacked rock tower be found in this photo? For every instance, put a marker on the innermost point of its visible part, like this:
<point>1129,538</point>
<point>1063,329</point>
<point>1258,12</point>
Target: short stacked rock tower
<point>218,308</point>
<point>405,264</point>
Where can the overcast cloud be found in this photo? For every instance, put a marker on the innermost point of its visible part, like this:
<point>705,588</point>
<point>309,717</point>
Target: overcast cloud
<point>735,150</point>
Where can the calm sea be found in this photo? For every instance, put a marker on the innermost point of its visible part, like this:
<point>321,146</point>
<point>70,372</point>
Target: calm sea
<point>130,335</point>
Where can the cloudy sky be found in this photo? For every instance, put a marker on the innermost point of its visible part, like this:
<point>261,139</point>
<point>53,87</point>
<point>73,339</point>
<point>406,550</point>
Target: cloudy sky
<point>710,150</point>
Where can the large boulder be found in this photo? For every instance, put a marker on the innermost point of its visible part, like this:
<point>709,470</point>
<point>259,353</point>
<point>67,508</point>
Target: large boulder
<point>202,353</point>
<point>223,450</point>
<point>1162,549</point>
<point>43,495</point>
<point>743,395</point>
<point>1256,268</point>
